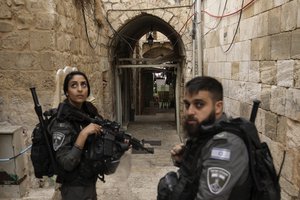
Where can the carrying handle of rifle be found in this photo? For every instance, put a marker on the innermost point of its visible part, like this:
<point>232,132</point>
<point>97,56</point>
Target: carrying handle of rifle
<point>255,107</point>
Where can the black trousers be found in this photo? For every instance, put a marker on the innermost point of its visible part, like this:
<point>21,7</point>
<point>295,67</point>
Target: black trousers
<point>78,192</point>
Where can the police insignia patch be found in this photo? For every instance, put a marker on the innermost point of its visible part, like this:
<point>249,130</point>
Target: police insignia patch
<point>58,139</point>
<point>217,179</point>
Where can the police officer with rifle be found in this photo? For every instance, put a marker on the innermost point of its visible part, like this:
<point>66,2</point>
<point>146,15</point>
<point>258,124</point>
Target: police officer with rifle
<point>85,147</point>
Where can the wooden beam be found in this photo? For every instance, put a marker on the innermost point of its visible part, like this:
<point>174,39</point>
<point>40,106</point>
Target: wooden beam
<point>147,66</point>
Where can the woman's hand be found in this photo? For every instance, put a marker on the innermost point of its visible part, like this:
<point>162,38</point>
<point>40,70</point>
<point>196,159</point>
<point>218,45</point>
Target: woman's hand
<point>92,129</point>
<point>84,133</point>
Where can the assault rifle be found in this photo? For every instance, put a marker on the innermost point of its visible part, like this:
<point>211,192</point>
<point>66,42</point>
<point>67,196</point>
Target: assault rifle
<point>42,155</point>
<point>111,129</point>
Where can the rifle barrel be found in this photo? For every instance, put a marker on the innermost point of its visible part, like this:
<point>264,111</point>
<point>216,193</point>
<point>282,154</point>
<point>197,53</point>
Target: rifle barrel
<point>254,110</point>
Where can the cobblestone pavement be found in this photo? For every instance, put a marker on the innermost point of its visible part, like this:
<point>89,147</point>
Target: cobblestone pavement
<point>138,174</point>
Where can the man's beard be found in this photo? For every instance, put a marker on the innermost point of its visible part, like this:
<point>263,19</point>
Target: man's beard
<point>196,129</point>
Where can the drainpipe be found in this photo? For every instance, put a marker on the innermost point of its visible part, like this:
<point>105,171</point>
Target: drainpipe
<point>194,48</point>
<point>199,38</point>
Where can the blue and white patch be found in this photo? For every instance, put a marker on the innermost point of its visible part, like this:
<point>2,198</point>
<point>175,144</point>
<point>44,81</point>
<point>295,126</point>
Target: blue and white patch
<point>220,154</point>
<point>58,139</point>
<point>217,179</point>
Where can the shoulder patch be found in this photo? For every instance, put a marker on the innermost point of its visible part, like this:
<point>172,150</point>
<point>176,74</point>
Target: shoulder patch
<point>220,153</point>
<point>58,139</point>
<point>220,136</point>
<point>217,179</point>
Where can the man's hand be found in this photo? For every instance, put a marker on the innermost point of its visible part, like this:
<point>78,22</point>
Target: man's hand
<point>177,153</point>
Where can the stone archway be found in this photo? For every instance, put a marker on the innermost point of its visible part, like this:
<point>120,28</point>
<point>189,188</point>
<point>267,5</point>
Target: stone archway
<point>127,62</point>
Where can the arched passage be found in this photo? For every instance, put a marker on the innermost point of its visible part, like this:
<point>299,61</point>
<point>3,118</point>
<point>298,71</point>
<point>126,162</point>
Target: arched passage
<point>133,62</point>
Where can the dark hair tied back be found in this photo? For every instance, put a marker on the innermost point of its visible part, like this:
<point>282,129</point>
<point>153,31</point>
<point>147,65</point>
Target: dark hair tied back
<point>70,76</point>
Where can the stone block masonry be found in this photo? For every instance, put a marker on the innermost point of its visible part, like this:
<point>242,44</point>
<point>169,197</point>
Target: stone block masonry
<point>272,31</point>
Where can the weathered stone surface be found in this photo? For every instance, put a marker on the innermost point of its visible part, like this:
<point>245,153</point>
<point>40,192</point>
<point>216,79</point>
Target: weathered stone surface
<point>245,110</point>
<point>295,51</point>
<point>268,72</point>
<point>274,20</point>
<point>293,104</point>
<point>19,2</point>
<point>278,100</point>
<point>45,21</point>
<point>297,74</point>
<point>227,70</point>
<point>254,72</point>
<point>17,61</point>
<point>253,91</point>
<point>245,32</point>
<point>271,125</point>
<point>42,40</point>
<point>265,97</point>
<point>281,46</point>
<point>282,129</point>
<point>261,24</point>
<point>5,12</point>
<point>289,16</point>
<point>235,70</point>
<point>16,40</point>
<point>244,71</point>
<point>298,18</point>
<point>293,139</point>
<point>245,50</point>
<point>262,6</point>
<point>285,73</point>
<point>280,2</point>
<point>27,79</point>
<point>232,107</point>
<point>64,42</point>
<point>237,90</point>
<point>24,20</point>
<point>260,48</point>
<point>6,27</point>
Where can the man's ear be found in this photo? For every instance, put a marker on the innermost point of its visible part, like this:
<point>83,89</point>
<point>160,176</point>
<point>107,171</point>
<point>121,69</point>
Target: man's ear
<point>219,108</point>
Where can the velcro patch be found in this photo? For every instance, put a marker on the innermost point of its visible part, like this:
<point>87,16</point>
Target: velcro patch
<point>217,179</point>
<point>58,139</point>
<point>221,136</point>
<point>220,154</point>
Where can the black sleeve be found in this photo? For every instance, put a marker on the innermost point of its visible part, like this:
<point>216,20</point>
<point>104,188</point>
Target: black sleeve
<point>67,155</point>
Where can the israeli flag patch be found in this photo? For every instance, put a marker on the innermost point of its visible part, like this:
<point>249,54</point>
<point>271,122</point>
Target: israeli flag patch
<point>220,154</point>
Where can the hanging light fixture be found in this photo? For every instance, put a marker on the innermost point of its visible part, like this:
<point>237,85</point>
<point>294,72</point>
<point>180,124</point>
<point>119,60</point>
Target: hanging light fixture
<point>150,39</point>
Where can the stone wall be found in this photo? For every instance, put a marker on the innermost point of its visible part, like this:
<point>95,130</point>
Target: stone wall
<point>37,39</point>
<point>263,63</point>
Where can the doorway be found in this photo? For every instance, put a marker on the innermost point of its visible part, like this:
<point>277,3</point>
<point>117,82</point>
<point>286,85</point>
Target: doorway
<point>147,69</point>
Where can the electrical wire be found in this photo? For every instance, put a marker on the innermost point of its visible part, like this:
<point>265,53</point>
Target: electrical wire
<point>236,30</point>
<point>118,34</point>
<point>220,19</point>
<point>86,29</point>
<point>229,14</point>
<point>14,157</point>
<point>123,37</point>
<point>188,18</point>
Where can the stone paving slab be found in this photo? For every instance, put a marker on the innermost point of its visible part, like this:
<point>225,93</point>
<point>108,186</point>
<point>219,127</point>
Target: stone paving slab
<point>138,174</point>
